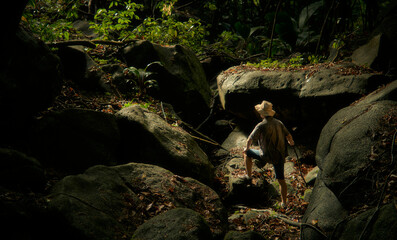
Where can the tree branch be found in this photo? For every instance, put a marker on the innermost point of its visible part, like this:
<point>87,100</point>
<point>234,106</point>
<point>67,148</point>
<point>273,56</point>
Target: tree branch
<point>88,43</point>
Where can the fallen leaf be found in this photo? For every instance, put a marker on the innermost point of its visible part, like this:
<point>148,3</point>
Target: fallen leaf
<point>149,206</point>
<point>314,221</point>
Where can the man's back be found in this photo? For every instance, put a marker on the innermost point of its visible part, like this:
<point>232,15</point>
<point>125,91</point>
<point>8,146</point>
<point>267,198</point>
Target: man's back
<point>270,134</point>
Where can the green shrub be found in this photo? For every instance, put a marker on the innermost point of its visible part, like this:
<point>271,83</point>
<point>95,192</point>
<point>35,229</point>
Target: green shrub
<point>51,21</point>
<point>115,22</point>
<point>169,30</point>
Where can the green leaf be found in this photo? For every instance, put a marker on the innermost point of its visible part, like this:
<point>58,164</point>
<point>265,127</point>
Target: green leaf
<point>307,12</point>
<point>254,29</point>
<point>150,64</point>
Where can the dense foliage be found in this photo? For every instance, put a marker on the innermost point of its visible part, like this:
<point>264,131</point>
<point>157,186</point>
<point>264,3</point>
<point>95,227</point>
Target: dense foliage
<point>236,28</point>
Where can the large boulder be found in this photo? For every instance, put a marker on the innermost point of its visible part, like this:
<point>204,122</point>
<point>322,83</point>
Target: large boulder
<point>242,190</point>
<point>324,210</point>
<point>384,224</point>
<point>80,68</point>
<point>379,52</point>
<point>353,139</point>
<point>179,223</point>
<point>181,77</point>
<point>111,202</point>
<point>304,98</point>
<point>147,138</point>
<point>29,77</point>
<point>75,139</point>
<point>235,141</point>
<point>356,127</point>
<point>20,172</point>
<point>249,235</point>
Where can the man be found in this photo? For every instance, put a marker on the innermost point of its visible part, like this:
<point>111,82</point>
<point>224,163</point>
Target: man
<point>271,135</point>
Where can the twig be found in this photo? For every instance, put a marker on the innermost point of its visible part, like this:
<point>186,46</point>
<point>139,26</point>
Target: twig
<point>185,5</point>
<point>287,220</point>
<point>299,165</point>
<point>208,139</point>
<point>162,109</point>
<point>88,43</point>
<point>369,221</point>
<point>211,111</point>
<point>323,26</point>
<point>273,27</point>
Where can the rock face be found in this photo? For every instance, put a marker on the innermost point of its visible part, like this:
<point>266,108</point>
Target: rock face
<point>236,139</point>
<point>369,54</point>
<point>379,52</point>
<point>241,190</point>
<point>340,183</point>
<point>305,96</point>
<point>29,77</point>
<point>73,140</point>
<point>351,127</point>
<point>147,138</point>
<point>181,79</point>
<point>79,67</point>
<point>325,208</point>
<point>111,202</point>
<point>179,223</point>
<point>249,235</point>
<point>385,225</point>
<point>20,172</point>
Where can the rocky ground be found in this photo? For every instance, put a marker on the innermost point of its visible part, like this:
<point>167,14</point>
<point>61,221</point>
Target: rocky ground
<point>265,217</point>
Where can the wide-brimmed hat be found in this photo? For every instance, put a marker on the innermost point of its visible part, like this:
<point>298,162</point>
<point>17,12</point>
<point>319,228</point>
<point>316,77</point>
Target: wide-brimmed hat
<point>265,109</point>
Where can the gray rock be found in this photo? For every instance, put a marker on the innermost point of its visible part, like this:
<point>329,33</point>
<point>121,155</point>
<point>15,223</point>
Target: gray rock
<point>20,172</point>
<point>306,98</point>
<point>236,139</point>
<point>343,150</point>
<point>179,223</point>
<point>307,195</point>
<point>384,225</point>
<point>73,140</point>
<point>85,27</point>
<point>147,138</point>
<point>388,92</point>
<point>367,54</point>
<point>311,176</point>
<point>116,72</point>
<point>111,202</point>
<point>351,126</point>
<point>325,209</point>
<point>182,81</point>
<point>30,76</point>
<point>241,189</point>
<point>379,52</point>
<point>79,67</point>
<point>249,235</point>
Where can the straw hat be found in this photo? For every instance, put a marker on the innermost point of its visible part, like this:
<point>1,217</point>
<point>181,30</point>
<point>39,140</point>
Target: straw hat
<point>265,109</point>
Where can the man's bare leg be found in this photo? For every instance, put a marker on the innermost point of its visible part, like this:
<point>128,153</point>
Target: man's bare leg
<point>283,191</point>
<point>248,165</point>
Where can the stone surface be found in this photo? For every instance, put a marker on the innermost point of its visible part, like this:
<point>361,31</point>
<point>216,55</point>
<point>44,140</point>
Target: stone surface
<point>305,99</point>
<point>75,139</point>
<point>111,202</point>
<point>30,78</point>
<point>181,78</point>
<point>179,223</point>
<point>20,172</point>
<point>147,138</point>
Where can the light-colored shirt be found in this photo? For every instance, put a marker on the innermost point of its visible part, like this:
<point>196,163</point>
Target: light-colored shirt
<point>270,135</point>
